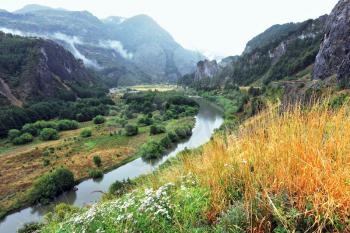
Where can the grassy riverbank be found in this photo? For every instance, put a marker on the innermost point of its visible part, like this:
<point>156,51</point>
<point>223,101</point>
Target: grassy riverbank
<point>21,165</point>
<point>279,173</point>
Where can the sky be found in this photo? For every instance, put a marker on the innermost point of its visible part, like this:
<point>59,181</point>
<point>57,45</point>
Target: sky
<point>216,28</point>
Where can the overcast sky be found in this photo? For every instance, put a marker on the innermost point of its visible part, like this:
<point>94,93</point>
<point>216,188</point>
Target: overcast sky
<point>215,27</point>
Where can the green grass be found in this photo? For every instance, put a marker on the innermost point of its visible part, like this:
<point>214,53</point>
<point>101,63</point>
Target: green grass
<point>171,207</point>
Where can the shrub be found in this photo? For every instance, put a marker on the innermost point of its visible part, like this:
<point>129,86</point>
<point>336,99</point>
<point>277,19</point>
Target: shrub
<point>39,125</point>
<point>144,121</point>
<point>30,228</point>
<point>152,150</point>
<point>13,133</point>
<point>97,161</point>
<point>95,174</point>
<point>50,185</point>
<point>157,129</point>
<point>99,120</point>
<point>85,133</point>
<point>67,125</point>
<point>23,139</point>
<point>131,130</point>
<point>120,187</point>
<point>46,162</point>
<point>235,220</point>
<point>166,142</point>
<point>173,136</point>
<point>48,134</point>
<point>181,133</point>
<point>121,121</point>
<point>30,128</point>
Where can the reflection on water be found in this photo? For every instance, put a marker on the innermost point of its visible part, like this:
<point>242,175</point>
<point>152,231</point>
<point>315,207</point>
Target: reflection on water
<point>208,119</point>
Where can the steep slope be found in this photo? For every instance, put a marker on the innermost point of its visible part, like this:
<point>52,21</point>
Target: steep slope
<point>277,54</point>
<point>32,69</point>
<point>334,55</point>
<point>126,51</point>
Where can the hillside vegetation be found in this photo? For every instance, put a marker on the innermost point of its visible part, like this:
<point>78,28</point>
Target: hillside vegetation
<point>279,173</point>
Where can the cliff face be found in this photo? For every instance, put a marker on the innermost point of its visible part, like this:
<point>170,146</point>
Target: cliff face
<point>126,51</point>
<point>334,55</point>
<point>276,54</point>
<point>35,69</point>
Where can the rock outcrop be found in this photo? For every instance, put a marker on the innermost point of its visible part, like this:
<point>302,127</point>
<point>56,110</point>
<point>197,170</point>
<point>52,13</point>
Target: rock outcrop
<point>38,70</point>
<point>205,72</point>
<point>333,58</point>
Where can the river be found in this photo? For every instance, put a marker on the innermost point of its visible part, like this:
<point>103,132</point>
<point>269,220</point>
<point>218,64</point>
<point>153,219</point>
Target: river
<point>208,119</point>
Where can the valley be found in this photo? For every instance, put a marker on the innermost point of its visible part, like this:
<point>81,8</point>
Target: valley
<point>110,125</point>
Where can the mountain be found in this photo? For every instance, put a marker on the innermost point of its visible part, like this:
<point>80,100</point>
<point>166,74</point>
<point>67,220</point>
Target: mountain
<point>276,54</point>
<point>34,69</point>
<point>125,51</point>
<point>333,58</point>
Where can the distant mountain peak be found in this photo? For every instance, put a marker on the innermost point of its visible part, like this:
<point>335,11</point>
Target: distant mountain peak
<point>32,8</point>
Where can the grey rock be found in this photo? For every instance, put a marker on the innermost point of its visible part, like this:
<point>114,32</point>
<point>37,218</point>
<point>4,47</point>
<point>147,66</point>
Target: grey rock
<point>333,57</point>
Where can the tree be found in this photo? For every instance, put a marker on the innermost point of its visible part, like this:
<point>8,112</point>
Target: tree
<point>97,160</point>
<point>157,129</point>
<point>50,185</point>
<point>131,130</point>
<point>85,133</point>
<point>99,120</point>
<point>67,125</point>
<point>13,133</point>
<point>23,139</point>
<point>48,134</point>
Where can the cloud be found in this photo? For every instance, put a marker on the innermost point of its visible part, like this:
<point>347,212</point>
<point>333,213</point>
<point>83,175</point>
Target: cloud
<point>71,41</point>
<point>117,46</point>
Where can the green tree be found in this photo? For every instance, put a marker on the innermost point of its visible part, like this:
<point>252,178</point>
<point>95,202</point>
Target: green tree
<point>131,130</point>
<point>99,120</point>
<point>85,133</point>
<point>48,134</point>
<point>97,160</point>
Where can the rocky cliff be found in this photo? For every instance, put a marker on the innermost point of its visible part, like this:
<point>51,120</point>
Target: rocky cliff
<point>36,69</point>
<point>276,54</point>
<point>333,58</point>
<point>126,51</point>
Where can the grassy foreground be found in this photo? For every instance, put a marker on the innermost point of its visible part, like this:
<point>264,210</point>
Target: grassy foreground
<point>285,172</point>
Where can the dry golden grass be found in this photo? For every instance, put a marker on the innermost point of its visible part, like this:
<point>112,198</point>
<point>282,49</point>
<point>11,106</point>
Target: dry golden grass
<point>302,154</point>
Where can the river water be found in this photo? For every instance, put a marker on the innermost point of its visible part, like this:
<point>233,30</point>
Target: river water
<point>208,119</point>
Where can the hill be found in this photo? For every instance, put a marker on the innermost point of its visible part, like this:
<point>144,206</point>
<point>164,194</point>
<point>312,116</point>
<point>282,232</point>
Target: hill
<point>279,53</point>
<point>36,69</point>
<point>126,51</point>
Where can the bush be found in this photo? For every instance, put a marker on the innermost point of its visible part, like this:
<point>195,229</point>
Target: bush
<point>13,133</point>
<point>50,185</point>
<point>145,121</point>
<point>157,129</point>
<point>85,133</point>
<point>152,150</point>
<point>181,133</point>
<point>99,120</point>
<point>30,228</point>
<point>173,136</point>
<point>48,134</point>
<point>131,130</point>
<point>166,142</point>
<point>46,162</point>
<point>97,161</point>
<point>23,139</point>
<point>67,125</point>
<point>95,174</point>
<point>120,187</point>
<point>39,125</point>
<point>30,128</point>
<point>121,121</point>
